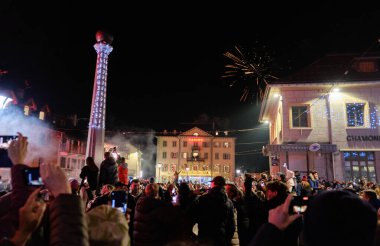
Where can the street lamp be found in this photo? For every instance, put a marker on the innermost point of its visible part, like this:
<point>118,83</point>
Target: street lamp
<point>238,172</point>
<point>159,165</point>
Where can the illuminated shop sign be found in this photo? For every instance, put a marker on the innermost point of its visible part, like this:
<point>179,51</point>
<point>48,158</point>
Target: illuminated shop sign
<point>196,139</point>
<point>362,138</point>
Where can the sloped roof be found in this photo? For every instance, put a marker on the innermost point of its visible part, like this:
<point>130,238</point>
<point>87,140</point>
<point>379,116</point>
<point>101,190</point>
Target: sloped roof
<point>334,67</point>
<point>195,130</point>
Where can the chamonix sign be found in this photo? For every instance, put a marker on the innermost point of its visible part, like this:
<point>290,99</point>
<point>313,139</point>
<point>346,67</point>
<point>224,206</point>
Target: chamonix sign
<point>350,138</point>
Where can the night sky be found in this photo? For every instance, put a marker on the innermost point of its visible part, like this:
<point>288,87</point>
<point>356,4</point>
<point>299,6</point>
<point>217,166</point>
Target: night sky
<point>166,67</point>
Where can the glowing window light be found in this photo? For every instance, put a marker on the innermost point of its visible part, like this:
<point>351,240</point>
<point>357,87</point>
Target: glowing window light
<point>26,110</point>
<point>4,101</point>
<point>42,115</point>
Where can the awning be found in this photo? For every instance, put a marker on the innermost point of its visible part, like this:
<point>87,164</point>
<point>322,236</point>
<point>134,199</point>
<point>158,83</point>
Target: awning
<point>271,149</point>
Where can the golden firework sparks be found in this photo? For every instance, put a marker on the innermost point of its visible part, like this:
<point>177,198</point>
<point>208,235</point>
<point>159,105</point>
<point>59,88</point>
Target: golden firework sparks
<point>250,70</point>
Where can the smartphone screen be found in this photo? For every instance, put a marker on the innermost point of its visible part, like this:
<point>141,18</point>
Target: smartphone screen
<point>4,144</point>
<point>32,176</point>
<point>298,205</point>
<point>119,200</point>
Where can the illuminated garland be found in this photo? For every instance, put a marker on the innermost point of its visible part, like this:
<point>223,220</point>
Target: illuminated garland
<point>99,105</point>
<point>355,114</point>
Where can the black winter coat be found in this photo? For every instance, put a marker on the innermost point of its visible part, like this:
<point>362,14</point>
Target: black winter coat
<point>153,222</point>
<point>214,213</point>
<point>92,176</point>
<point>108,172</point>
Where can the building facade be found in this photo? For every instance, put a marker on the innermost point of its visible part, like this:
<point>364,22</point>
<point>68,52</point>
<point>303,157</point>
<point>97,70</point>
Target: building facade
<point>326,118</point>
<point>132,155</point>
<point>197,155</point>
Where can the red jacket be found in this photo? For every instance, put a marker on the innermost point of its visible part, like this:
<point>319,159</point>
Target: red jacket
<point>122,172</point>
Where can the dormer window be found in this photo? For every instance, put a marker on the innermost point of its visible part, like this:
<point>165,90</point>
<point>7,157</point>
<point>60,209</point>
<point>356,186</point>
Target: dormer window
<point>367,66</point>
<point>196,134</point>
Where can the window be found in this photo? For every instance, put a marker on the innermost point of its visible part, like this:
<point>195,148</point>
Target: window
<point>184,155</point>
<point>206,156</point>
<point>226,156</point>
<point>226,145</point>
<point>300,116</point>
<point>184,143</point>
<point>216,168</point>
<point>355,114</point>
<point>216,144</point>
<point>174,143</point>
<point>63,162</point>
<point>165,168</point>
<point>216,156</point>
<point>163,155</point>
<point>174,155</point>
<point>164,143</point>
<point>226,169</point>
<point>359,165</point>
<point>367,66</point>
<point>195,167</point>
<point>26,110</point>
<point>205,145</point>
<point>73,164</point>
<point>42,115</point>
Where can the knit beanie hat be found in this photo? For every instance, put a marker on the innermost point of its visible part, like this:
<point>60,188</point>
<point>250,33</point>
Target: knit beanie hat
<point>339,217</point>
<point>107,226</point>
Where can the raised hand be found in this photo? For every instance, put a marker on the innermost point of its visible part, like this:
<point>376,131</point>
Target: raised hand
<point>280,217</point>
<point>30,216</point>
<point>55,179</point>
<point>31,213</point>
<point>18,149</point>
<point>176,174</point>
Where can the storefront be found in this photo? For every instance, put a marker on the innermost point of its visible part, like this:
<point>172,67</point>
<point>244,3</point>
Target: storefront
<point>359,165</point>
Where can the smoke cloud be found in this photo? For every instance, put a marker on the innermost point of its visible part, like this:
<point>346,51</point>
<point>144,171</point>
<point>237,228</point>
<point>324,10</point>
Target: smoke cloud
<point>142,140</point>
<point>41,143</point>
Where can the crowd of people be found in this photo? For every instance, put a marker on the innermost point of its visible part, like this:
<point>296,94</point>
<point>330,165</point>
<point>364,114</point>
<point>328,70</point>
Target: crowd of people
<point>257,211</point>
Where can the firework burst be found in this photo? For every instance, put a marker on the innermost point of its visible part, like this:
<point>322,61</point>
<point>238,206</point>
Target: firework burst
<point>249,70</point>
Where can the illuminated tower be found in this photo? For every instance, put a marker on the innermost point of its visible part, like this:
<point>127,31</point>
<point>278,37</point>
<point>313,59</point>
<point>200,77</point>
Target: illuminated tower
<point>95,138</point>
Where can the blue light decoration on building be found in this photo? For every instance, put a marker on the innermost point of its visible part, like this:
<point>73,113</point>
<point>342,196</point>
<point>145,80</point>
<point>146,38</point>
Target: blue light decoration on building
<point>346,155</point>
<point>355,114</point>
<point>374,118</point>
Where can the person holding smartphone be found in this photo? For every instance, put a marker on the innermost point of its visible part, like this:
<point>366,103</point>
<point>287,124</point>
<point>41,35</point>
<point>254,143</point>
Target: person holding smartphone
<point>276,194</point>
<point>66,211</point>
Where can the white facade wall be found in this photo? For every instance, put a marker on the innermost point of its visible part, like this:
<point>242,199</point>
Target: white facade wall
<point>324,128</point>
